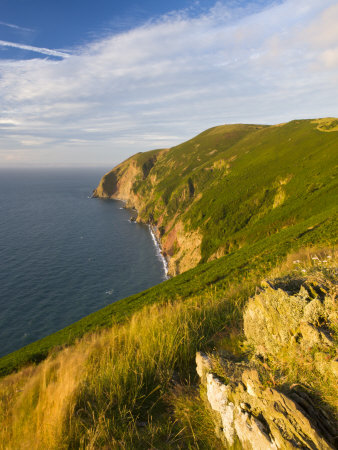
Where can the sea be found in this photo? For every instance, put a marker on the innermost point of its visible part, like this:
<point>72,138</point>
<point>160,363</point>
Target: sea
<point>64,254</point>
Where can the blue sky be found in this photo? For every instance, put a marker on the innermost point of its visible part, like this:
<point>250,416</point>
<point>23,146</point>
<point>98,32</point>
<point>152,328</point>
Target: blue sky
<point>89,83</point>
<point>67,24</point>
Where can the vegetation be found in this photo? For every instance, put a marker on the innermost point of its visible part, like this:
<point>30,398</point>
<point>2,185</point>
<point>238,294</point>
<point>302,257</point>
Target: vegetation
<point>247,264</point>
<point>236,184</point>
<point>124,377</point>
<point>133,385</point>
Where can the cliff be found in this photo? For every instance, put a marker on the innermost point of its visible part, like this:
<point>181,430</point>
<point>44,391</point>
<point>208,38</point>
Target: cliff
<point>120,182</point>
<point>181,249</point>
<point>228,187</point>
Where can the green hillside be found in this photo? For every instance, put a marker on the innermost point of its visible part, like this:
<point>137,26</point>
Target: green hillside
<point>231,186</point>
<point>254,193</point>
<point>257,182</point>
<point>235,207</point>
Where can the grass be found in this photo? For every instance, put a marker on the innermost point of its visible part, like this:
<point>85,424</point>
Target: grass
<point>120,377</point>
<point>115,387</point>
<point>192,413</point>
<point>246,264</point>
<point>133,386</point>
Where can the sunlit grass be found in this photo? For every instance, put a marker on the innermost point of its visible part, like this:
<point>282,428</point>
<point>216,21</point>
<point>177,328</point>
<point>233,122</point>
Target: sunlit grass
<point>100,390</point>
<point>133,386</point>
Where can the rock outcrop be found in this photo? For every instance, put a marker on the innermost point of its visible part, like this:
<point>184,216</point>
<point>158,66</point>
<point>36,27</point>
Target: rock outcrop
<point>293,317</point>
<point>259,417</point>
<point>118,183</point>
<point>290,322</point>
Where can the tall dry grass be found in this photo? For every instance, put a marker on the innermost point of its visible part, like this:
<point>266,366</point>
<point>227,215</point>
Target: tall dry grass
<point>111,388</point>
<point>120,389</point>
<point>34,402</point>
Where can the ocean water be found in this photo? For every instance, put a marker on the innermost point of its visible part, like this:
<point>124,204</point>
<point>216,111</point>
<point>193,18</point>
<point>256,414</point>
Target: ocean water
<point>63,254</point>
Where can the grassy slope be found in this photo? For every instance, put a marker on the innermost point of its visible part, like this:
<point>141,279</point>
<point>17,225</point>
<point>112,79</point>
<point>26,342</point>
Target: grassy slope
<point>133,386</point>
<point>241,172</point>
<point>240,183</point>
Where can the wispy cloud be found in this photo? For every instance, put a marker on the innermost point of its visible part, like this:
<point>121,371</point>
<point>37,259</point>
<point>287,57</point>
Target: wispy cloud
<point>16,27</point>
<point>160,83</point>
<point>41,50</point>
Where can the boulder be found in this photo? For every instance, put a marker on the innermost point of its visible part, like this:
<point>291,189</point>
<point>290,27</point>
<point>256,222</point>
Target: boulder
<point>259,417</point>
<point>283,318</point>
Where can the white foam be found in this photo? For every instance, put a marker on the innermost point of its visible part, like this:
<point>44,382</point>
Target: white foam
<point>159,253</point>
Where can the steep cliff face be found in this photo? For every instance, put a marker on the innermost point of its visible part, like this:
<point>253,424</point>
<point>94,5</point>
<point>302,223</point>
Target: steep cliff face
<point>182,249</point>
<point>230,186</point>
<point>119,182</point>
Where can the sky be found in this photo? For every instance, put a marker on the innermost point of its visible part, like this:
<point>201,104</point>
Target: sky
<point>89,83</point>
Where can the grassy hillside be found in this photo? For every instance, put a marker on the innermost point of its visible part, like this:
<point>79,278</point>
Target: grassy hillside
<point>253,193</point>
<point>230,186</point>
<point>238,199</point>
<point>248,263</point>
<point>133,385</point>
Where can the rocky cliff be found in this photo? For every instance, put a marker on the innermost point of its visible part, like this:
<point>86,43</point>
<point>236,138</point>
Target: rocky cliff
<point>228,187</point>
<point>181,249</point>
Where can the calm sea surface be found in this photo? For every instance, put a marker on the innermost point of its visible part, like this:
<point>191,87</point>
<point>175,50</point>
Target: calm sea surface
<point>64,255</point>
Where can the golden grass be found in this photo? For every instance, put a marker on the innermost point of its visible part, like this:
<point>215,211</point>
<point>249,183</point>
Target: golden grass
<point>120,388</point>
<point>96,392</point>
<point>327,124</point>
<point>35,401</point>
<point>195,417</point>
<point>308,259</point>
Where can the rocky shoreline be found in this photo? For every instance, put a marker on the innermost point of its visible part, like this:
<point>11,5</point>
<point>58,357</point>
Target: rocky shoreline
<point>162,255</point>
<point>153,232</point>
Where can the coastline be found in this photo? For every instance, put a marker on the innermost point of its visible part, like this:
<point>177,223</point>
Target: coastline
<point>158,247</point>
<point>156,240</point>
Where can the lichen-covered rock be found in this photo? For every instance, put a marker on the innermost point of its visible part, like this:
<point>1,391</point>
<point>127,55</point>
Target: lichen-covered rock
<point>277,318</point>
<point>259,417</point>
<point>291,323</point>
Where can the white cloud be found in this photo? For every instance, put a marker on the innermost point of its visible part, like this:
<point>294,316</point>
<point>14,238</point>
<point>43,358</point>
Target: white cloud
<point>330,57</point>
<point>323,30</point>
<point>34,142</point>
<point>163,82</point>
<point>15,27</point>
<point>43,51</point>
<point>8,122</point>
<point>322,37</point>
